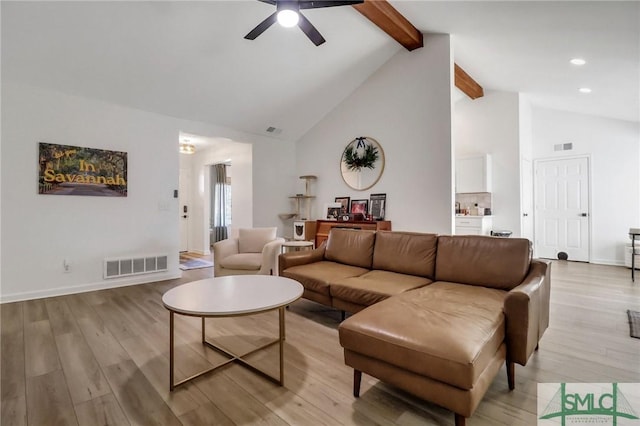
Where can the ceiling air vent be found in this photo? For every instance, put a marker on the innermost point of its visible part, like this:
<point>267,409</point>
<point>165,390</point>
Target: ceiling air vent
<point>563,146</point>
<point>274,130</point>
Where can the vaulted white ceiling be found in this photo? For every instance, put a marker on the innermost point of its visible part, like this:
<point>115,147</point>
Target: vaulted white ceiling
<point>190,60</point>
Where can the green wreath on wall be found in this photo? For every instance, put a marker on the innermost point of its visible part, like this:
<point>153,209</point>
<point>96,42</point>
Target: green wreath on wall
<point>360,154</point>
<point>362,163</point>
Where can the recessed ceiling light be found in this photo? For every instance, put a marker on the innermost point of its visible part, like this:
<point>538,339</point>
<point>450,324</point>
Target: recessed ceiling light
<point>584,90</point>
<point>578,61</point>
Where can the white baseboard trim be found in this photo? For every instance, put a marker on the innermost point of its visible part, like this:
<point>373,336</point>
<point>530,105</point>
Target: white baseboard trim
<point>201,252</point>
<point>83,288</point>
<point>607,262</point>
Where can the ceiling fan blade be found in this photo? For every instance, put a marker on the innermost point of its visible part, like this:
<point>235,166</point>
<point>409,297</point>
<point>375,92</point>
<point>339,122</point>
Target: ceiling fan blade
<point>310,30</point>
<point>273,2</point>
<point>324,3</point>
<point>262,27</point>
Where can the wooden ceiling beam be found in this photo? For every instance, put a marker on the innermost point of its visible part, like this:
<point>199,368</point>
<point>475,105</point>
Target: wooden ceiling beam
<point>466,84</point>
<point>392,22</point>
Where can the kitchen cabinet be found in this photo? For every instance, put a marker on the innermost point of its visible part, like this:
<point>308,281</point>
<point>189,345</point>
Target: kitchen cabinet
<point>473,225</point>
<point>473,174</point>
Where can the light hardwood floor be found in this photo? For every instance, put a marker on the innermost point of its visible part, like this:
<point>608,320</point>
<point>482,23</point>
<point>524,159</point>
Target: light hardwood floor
<point>101,358</point>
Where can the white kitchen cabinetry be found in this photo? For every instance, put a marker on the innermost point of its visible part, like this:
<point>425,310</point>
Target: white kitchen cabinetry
<point>473,225</point>
<point>473,174</point>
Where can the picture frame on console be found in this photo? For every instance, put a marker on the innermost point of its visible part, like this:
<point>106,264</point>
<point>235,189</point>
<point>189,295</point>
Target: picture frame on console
<point>333,211</point>
<point>344,201</point>
<point>360,206</point>
<point>377,206</point>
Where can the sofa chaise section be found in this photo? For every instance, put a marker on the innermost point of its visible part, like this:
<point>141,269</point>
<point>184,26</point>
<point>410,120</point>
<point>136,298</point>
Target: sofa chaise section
<point>446,341</point>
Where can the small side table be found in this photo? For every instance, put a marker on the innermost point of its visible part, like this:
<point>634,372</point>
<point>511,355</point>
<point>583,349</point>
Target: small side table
<point>633,234</point>
<point>296,245</point>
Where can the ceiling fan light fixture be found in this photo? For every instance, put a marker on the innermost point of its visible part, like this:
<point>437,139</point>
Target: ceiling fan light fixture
<point>186,148</point>
<point>288,18</point>
<point>288,15</point>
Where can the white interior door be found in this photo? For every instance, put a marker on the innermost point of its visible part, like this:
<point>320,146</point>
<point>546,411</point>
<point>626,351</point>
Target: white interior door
<point>562,208</point>
<point>184,208</point>
<point>526,191</point>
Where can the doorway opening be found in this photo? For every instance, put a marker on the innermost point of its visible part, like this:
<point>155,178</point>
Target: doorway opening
<point>197,233</point>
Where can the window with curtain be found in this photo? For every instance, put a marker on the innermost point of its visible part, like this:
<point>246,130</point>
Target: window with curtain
<point>220,202</point>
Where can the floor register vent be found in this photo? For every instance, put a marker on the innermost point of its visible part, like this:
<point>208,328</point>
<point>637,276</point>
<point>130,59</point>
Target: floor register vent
<point>126,266</point>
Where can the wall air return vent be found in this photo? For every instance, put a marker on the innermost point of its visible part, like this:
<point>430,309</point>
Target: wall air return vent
<point>134,265</point>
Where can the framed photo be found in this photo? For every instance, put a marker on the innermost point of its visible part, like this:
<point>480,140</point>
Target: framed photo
<point>377,206</point>
<point>344,201</point>
<point>359,206</point>
<point>332,211</point>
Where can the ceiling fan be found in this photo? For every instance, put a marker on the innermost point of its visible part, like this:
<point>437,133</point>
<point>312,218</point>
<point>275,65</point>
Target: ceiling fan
<point>288,15</point>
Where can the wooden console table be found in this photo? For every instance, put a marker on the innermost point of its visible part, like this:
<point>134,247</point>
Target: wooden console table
<point>324,226</point>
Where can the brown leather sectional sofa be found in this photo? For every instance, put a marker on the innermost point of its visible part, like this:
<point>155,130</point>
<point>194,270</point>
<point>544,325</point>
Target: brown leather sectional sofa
<point>436,316</point>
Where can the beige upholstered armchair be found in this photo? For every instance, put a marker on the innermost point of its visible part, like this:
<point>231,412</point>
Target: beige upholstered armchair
<point>255,251</point>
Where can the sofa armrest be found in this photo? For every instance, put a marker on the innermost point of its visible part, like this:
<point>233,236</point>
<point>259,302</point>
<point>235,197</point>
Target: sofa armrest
<point>270,253</point>
<point>526,310</point>
<point>222,249</point>
<point>295,258</point>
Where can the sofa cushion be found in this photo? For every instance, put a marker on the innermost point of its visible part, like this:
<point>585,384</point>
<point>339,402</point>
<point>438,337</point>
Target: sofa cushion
<point>405,252</point>
<point>242,261</point>
<point>375,286</point>
<point>445,331</point>
<point>317,276</point>
<point>486,261</point>
<point>350,247</point>
<point>252,240</point>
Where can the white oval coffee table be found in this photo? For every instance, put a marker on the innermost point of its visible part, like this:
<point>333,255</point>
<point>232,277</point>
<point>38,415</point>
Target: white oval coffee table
<point>228,297</point>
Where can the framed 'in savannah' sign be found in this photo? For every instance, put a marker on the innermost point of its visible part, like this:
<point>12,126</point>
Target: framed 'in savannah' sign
<point>74,170</point>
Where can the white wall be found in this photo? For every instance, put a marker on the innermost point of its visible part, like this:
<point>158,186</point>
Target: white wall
<point>614,150</point>
<point>491,125</point>
<point>406,107</point>
<point>526,166</point>
<point>39,231</point>
<point>525,127</point>
<point>274,180</point>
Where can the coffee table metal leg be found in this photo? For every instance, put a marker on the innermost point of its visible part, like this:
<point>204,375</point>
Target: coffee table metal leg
<point>232,357</point>
<point>282,336</point>
<point>171,386</point>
